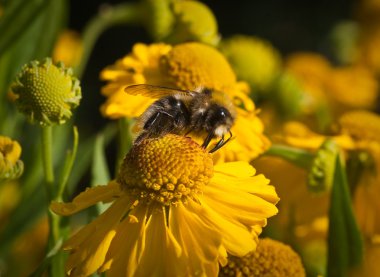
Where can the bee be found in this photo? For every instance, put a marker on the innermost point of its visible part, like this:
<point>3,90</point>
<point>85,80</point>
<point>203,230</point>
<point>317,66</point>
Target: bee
<point>204,112</point>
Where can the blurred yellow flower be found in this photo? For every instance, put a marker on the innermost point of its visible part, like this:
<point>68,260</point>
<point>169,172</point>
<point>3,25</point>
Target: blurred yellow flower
<point>341,88</point>
<point>184,66</point>
<point>368,46</point>
<point>311,71</point>
<point>30,248</point>
<point>254,60</point>
<point>352,87</point>
<point>11,166</point>
<point>68,48</point>
<point>174,214</point>
<point>272,258</point>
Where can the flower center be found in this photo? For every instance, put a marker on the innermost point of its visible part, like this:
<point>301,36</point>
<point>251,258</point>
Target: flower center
<point>166,170</point>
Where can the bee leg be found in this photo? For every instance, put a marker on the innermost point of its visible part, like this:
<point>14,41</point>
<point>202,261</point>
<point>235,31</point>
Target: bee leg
<point>208,139</point>
<point>220,143</point>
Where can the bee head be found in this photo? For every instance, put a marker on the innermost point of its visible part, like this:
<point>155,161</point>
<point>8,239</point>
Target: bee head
<point>220,120</point>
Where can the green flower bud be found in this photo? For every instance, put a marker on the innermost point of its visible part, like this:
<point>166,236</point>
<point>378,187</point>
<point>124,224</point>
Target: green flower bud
<point>194,21</point>
<point>158,18</point>
<point>322,169</point>
<point>46,93</point>
<point>254,60</point>
<point>288,95</point>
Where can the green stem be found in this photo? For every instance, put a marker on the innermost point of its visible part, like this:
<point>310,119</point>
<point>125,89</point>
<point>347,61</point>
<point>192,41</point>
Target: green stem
<point>47,159</point>
<point>67,167</point>
<point>107,17</point>
<point>56,268</point>
<point>125,140</point>
<point>294,155</point>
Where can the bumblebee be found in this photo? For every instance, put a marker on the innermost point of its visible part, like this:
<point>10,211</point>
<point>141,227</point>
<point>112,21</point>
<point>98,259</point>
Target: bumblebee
<point>204,112</point>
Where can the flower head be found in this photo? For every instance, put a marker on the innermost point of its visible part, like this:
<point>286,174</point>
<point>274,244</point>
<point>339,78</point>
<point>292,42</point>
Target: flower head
<point>173,213</point>
<point>184,66</point>
<point>194,21</point>
<point>158,18</point>
<point>253,59</point>
<point>272,258</point>
<point>352,87</point>
<point>10,165</point>
<point>46,93</point>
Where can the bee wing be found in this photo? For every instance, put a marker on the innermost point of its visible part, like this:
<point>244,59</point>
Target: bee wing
<point>153,91</point>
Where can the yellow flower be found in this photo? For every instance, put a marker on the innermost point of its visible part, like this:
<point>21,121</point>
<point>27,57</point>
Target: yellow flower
<point>311,71</point>
<point>184,66</point>
<point>68,48</point>
<point>253,59</point>
<point>272,258</point>
<point>299,135</point>
<point>10,165</point>
<point>352,87</point>
<point>174,214</point>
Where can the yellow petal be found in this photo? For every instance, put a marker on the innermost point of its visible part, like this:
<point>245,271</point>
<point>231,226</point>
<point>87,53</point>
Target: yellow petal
<point>91,244</point>
<point>237,239</point>
<point>162,253</point>
<point>240,207</point>
<point>200,243</point>
<point>236,169</point>
<point>257,185</point>
<point>89,197</point>
<point>127,247</point>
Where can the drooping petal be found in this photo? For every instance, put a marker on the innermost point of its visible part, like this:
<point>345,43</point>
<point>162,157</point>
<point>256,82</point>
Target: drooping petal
<point>89,197</point>
<point>162,255</point>
<point>127,247</point>
<point>90,245</point>
<point>191,233</point>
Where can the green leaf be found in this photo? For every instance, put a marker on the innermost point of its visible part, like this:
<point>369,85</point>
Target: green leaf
<point>16,20</point>
<point>100,173</point>
<point>53,21</point>
<point>345,245</point>
<point>85,152</point>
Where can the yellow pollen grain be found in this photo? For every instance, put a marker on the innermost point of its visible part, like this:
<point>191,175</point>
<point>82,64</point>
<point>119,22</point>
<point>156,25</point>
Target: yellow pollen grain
<point>166,170</point>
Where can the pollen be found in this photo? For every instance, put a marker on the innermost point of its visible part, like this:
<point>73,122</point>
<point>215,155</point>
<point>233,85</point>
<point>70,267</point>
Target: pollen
<point>191,64</point>
<point>166,170</point>
<point>46,93</point>
<point>272,258</point>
